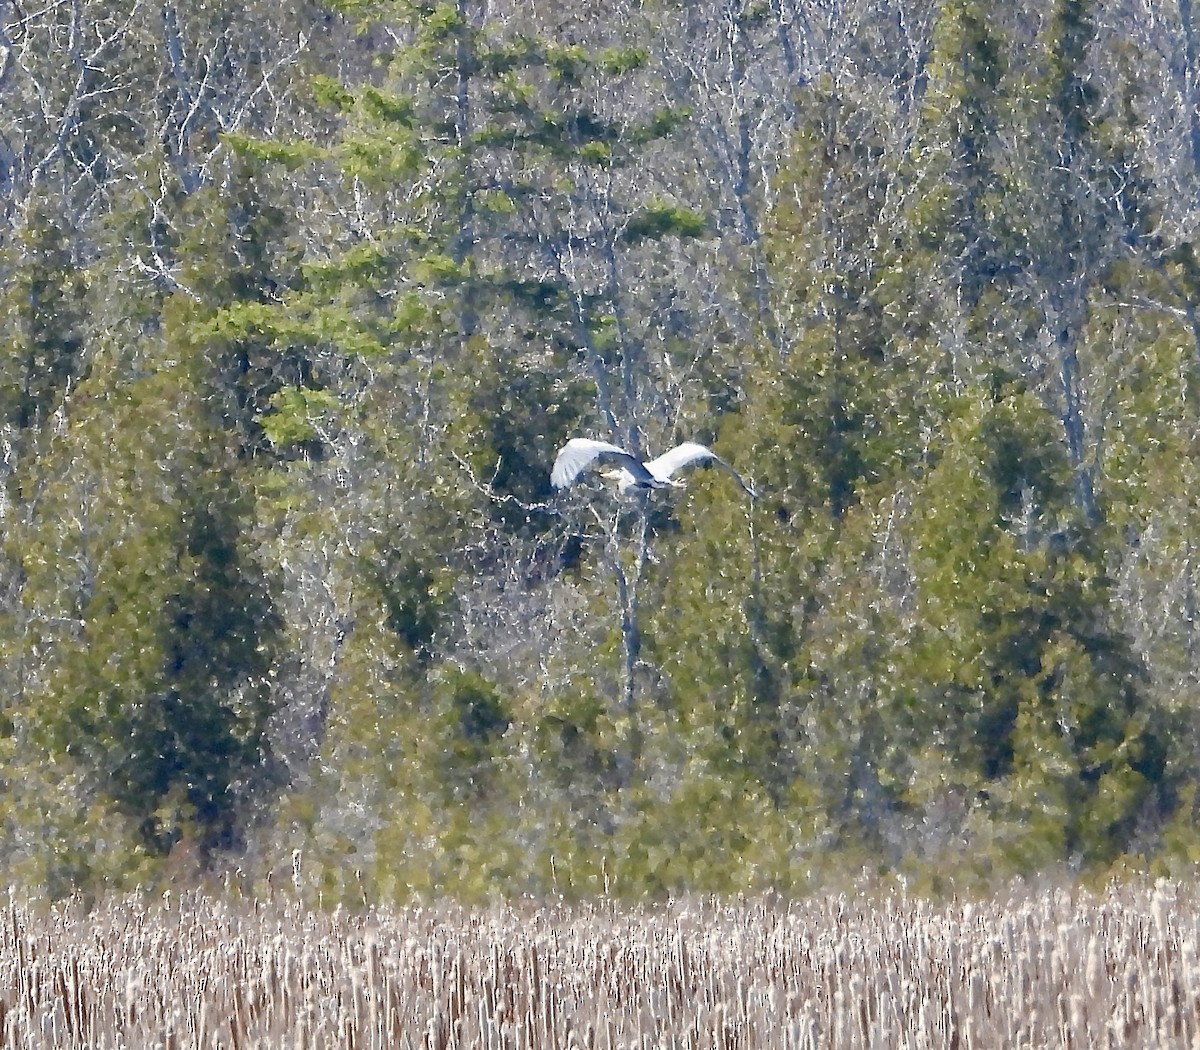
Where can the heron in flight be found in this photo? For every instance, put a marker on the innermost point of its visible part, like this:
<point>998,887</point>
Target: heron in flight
<point>629,472</point>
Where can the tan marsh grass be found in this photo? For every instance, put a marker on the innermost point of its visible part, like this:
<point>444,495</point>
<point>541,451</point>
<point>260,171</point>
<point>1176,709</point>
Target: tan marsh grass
<point>1050,969</point>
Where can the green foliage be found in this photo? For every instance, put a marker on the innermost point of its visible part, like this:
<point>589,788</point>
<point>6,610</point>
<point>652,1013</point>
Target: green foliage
<point>160,690</point>
<point>1051,698</point>
<point>294,411</point>
<point>413,595</point>
<point>664,220</point>
<point>331,93</point>
<point>476,718</point>
<point>291,155</point>
<point>290,330</point>
<point>616,61</point>
<point>660,124</point>
<point>42,313</point>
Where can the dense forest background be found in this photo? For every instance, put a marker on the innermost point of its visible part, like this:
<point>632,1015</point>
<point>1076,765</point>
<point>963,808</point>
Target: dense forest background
<point>298,301</point>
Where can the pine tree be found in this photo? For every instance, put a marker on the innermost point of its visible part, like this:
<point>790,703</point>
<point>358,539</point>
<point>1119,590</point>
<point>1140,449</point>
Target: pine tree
<point>1031,684</point>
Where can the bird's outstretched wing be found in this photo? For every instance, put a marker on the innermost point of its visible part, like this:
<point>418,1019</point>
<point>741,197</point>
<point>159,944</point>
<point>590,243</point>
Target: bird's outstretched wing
<point>677,458</point>
<point>684,456</point>
<point>580,453</point>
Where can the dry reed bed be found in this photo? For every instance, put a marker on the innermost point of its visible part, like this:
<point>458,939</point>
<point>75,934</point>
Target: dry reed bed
<point>1048,969</point>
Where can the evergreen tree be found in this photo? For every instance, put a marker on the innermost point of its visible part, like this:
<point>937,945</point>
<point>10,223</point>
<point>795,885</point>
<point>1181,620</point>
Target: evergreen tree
<point>43,322</point>
<point>1033,686</point>
<point>297,304</point>
<point>157,627</point>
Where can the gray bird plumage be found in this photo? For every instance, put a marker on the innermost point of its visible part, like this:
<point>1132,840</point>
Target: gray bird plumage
<point>580,454</point>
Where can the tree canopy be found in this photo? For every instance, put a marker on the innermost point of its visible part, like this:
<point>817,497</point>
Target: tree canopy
<point>298,304</point>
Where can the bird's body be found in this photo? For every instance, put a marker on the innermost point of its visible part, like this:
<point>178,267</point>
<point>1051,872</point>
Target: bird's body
<point>579,454</point>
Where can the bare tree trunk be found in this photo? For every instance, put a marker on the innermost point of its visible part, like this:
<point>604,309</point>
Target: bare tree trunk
<point>1074,426</point>
<point>628,584</point>
<point>1191,89</point>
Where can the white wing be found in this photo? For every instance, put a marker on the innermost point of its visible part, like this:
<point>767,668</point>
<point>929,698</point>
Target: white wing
<point>580,453</point>
<point>679,457</point>
<point>684,456</point>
